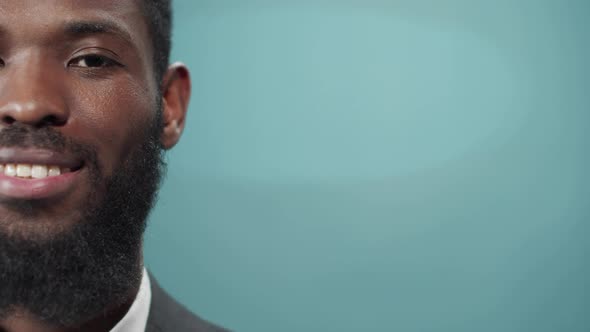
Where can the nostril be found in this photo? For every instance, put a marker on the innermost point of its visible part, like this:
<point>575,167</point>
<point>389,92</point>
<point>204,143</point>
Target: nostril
<point>50,120</point>
<point>34,114</point>
<point>8,119</point>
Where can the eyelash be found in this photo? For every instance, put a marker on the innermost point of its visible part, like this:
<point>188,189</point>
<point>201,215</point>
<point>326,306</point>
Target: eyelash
<point>106,62</point>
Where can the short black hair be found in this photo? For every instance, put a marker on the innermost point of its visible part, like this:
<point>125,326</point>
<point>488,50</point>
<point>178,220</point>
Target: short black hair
<point>158,14</point>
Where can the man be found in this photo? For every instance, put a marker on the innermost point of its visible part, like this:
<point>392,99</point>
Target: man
<point>87,105</point>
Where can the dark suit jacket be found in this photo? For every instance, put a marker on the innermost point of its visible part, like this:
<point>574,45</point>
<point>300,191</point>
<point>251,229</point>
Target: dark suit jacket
<point>167,315</point>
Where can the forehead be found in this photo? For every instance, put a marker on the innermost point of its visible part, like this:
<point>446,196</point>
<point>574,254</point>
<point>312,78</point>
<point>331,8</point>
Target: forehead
<point>39,18</point>
<point>70,7</point>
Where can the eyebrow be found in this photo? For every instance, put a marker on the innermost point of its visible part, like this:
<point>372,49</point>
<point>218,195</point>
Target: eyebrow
<point>82,28</point>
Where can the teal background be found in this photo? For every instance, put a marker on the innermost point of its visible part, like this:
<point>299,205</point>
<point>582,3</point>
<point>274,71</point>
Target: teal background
<point>381,166</point>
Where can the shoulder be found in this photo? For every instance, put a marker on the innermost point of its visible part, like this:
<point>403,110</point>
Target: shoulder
<point>167,315</point>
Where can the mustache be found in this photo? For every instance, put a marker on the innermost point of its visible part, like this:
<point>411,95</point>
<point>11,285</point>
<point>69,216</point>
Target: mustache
<point>47,138</point>
<point>18,135</point>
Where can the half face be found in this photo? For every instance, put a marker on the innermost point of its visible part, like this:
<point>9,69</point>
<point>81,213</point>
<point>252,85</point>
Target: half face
<point>77,98</point>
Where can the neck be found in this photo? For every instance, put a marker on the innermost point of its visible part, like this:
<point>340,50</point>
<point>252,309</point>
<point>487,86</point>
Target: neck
<point>21,321</point>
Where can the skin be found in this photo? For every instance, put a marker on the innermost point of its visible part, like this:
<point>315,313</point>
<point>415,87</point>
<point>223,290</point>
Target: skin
<point>95,88</point>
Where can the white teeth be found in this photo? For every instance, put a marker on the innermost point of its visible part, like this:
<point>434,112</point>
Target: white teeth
<point>10,170</point>
<point>28,171</point>
<point>39,172</point>
<point>53,171</point>
<point>23,170</point>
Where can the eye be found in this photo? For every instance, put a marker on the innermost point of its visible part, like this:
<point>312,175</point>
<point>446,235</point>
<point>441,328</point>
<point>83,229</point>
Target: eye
<point>92,61</point>
<point>2,64</point>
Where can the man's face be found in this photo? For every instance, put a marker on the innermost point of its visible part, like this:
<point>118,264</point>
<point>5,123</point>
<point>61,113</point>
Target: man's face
<point>84,69</point>
<point>81,131</point>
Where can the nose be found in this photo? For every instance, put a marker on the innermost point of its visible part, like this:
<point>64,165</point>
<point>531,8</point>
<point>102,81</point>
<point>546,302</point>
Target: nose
<point>30,93</point>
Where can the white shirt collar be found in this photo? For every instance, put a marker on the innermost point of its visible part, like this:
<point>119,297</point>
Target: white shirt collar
<point>135,320</point>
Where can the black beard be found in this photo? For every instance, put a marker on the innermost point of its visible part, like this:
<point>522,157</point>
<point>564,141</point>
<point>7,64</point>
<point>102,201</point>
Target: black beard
<point>72,277</point>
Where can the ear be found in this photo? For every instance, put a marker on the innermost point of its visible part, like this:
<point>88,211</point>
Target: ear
<point>176,95</point>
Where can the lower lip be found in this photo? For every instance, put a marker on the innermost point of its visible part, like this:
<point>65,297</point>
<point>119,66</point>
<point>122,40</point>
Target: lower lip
<point>34,189</point>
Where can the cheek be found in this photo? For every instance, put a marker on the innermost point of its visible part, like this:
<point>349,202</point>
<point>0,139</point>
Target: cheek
<point>112,116</point>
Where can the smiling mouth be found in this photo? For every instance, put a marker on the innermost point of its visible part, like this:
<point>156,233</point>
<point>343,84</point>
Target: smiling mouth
<point>33,174</point>
<point>32,171</point>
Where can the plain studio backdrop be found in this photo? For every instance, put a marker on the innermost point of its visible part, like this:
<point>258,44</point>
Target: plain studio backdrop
<point>371,165</point>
